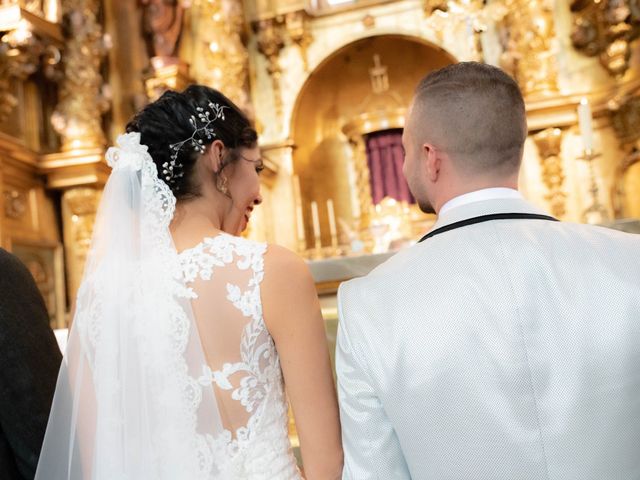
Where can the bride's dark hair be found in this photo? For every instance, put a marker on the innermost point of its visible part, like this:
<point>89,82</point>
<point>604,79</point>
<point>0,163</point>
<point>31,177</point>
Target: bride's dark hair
<point>167,121</point>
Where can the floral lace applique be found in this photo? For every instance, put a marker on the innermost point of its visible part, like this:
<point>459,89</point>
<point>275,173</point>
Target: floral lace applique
<point>260,389</point>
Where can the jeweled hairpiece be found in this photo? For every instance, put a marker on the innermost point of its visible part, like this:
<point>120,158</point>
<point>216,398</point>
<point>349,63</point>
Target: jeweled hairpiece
<point>205,118</point>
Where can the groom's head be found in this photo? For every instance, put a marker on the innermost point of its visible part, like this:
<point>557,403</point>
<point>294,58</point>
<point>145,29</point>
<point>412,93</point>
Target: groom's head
<point>465,130</point>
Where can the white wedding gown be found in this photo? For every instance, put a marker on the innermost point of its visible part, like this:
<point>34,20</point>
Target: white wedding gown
<point>243,365</point>
<point>169,372</point>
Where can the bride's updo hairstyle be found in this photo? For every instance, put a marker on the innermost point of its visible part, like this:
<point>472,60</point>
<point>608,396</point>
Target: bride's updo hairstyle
<point>172,120</point>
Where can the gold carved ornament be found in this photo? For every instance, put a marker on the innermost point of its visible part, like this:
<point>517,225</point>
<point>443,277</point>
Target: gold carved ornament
<point>270,43</point>
<point>15,204</point>
<point>526,33</point>
<point>297,24</point>
<point>28,43</point>
<point>79,207</point>
<point>432,6</point>
<point>625,119</point>
<point>78,115</point>
<point>606,28</point>
<point>549,143</point>
<point>224,53</point>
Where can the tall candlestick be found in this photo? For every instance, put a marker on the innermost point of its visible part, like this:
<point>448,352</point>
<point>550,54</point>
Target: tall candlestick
<point>316,224</point>
<point>584,119</point>
<point>332,223</point>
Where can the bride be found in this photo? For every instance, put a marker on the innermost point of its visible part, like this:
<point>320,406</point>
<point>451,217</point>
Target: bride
<point>185,334</point>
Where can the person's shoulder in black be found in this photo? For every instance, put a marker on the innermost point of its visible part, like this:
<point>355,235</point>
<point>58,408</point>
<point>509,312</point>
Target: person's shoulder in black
<point>29,366</point>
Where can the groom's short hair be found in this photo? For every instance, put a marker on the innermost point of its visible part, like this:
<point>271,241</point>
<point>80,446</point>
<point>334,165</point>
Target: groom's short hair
<point>475,113</point>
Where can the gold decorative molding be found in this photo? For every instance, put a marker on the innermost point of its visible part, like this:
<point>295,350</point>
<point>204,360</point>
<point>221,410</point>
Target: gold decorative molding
<point>29,43</point>
<point>15,204</point>
<point>526,33</point>
<point>374,121</point>
<point>432,6</point>
<point>78,115</point>
<point>221,59</point>
<point>625,119</point>
<point>270,43</point>
<point>606,28</point>
<point>166,74</point>
<point>618,193</point>
<point>297,24</point>
<point>49,9</point>
<point>75,168</point>
<point>549,143</point>
<point>368,21</point>
<point>560,110</point>
<point>79,207</point>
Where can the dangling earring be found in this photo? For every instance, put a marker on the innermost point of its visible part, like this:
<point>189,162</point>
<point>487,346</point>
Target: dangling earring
<point>222,184</point>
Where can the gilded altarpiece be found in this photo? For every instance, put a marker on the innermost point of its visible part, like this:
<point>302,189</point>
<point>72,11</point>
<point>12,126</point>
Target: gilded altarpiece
<point>80,68</point>
<point>306,94</point>
<point>72,73</point>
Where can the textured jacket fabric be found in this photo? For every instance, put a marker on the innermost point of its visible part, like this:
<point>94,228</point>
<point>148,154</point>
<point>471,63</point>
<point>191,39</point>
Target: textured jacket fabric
<point>505,350</point>
<point>29,364</point>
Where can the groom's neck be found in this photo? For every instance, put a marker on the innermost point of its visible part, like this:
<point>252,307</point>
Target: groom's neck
<point>457,187</point>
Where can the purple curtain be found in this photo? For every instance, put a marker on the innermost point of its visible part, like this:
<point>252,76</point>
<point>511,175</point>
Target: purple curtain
<point>385,159</point>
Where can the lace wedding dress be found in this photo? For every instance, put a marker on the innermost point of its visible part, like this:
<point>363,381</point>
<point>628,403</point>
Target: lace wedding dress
<point>170,372</point>
<point>243,364</point>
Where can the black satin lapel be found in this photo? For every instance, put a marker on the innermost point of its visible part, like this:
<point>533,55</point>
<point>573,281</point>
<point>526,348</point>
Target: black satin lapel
<point>487,218</point>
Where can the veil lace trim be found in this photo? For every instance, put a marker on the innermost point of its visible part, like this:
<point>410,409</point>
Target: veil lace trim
<point>160,267</point>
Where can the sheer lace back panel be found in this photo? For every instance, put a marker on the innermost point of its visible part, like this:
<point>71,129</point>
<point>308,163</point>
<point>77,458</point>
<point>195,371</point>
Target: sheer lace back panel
<point>243,367</point>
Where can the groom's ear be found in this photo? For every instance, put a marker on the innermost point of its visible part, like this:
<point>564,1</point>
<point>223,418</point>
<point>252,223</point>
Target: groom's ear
<point>432,162</point>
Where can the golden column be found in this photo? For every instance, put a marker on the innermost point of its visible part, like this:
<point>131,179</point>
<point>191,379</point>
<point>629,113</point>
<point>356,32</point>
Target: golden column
<point>79,168</point>
<point>270,42</point>
<point>549,143</point>
<point>220,57</point>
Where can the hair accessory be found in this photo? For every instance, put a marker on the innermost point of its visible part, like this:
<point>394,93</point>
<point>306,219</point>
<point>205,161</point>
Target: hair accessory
<point>203,117</point>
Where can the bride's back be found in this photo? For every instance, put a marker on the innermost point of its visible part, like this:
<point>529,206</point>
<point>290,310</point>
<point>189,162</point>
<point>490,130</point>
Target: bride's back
<point>224,273</point>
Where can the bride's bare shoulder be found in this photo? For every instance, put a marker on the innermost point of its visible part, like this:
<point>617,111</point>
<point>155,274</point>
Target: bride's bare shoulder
<point>288,291</point>
<point>283,266</point>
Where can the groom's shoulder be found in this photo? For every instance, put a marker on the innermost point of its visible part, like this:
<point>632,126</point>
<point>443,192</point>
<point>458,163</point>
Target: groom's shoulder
<point>371,288</point>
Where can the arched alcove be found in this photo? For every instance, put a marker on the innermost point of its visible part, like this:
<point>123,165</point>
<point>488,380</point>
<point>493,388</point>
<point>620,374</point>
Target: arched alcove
<point>335,94</point>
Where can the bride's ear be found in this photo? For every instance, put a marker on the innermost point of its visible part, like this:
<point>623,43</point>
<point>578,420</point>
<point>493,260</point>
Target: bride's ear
<point>214,154</point>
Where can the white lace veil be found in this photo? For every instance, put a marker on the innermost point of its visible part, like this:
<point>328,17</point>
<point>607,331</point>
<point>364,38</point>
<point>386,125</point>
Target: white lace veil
<point>131,400</point>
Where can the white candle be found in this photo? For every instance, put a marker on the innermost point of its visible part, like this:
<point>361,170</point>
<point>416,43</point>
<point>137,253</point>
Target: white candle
<point>300,224</point>
<point>296,189</point>
<point>299,217</point>
<point>332,221</point>
<point>316,221</point>
<point>584,119</point>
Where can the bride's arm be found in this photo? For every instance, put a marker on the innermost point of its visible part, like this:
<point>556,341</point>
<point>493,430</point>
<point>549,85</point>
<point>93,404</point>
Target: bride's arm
<point>292,315</point>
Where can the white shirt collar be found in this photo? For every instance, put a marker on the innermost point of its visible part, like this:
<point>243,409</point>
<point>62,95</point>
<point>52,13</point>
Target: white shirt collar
<point>478,196</point>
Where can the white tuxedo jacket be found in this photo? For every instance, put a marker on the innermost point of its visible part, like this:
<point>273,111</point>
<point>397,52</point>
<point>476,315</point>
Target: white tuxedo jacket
<point>506,350</point>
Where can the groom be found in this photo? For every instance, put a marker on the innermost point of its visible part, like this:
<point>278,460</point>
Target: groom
<point>505,345</point>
